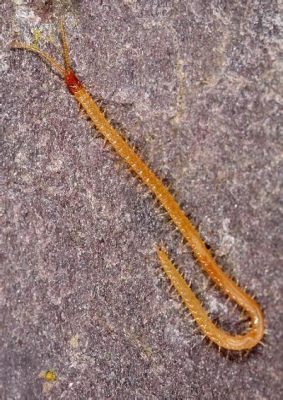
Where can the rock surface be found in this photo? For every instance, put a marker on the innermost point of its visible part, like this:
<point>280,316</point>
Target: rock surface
<point>195,87</point>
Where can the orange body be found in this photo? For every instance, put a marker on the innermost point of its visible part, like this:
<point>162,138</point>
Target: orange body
<point>218,336</point>
<point>200,251</point>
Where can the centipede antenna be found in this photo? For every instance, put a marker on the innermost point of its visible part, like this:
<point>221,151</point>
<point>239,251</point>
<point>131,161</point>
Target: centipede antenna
<point>46,57</point>
<point>66,54</point>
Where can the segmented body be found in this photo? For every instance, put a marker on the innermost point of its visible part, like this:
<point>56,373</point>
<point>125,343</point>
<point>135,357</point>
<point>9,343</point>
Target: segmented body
<point>223,339</point>
<point>200,251</point>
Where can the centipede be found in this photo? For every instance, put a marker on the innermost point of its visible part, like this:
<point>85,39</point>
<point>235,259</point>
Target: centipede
<point>202,254</point>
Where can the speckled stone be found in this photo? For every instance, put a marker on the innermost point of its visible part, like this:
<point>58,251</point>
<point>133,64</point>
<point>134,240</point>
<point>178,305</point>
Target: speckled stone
<point>194,85</point>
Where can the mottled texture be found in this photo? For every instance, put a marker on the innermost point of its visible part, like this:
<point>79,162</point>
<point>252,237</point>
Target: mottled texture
<point>195,87</point>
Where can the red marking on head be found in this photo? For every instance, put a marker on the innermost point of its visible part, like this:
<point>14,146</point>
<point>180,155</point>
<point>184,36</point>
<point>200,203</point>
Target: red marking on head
<point>72,82</point>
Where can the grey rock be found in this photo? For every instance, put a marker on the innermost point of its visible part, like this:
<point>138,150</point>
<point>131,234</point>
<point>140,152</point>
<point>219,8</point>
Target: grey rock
<point>195,86</point>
